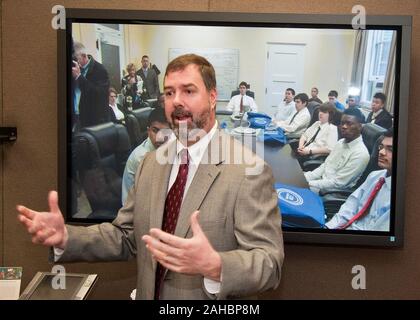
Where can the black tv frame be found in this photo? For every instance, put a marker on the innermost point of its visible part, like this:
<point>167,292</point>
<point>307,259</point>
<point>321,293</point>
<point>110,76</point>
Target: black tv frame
<point>403,26</point>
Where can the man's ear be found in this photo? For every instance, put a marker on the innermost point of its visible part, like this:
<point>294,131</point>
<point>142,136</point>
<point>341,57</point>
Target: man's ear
<point>213,98</point>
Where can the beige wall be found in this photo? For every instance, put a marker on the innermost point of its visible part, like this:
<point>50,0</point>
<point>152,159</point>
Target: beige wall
<point>134,45</point>
<point>30,165</point>
<point>85,33</point>
<point>328,54</point>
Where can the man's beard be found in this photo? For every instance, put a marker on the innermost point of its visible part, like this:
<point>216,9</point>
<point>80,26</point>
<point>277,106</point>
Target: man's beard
<point>190,131</point>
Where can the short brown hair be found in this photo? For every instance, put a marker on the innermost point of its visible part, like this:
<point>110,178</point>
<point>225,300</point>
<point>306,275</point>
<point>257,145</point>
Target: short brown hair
<point>206,69</point>
<point>328,107</point>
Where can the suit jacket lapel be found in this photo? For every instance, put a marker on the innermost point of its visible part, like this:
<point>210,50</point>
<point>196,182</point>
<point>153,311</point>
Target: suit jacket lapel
<point>159,185</point>
<point>207,172</point>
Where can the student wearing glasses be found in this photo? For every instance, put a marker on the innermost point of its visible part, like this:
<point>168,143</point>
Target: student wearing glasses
<point>368,208</point>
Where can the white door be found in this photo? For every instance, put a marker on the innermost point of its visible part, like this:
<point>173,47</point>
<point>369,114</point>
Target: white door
<point>284,69</point>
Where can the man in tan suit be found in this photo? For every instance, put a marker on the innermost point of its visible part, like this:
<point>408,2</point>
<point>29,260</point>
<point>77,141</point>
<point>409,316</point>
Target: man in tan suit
<point>202,218</point>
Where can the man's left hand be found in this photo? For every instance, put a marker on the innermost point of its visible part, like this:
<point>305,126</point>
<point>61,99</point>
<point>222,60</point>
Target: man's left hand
<point>190,256</point>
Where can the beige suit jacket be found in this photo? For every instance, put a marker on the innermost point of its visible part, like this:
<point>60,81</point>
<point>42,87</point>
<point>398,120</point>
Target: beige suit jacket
<point>238,213</point>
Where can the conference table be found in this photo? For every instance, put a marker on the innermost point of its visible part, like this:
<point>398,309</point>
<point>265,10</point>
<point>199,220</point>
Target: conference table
<point>285,166</point>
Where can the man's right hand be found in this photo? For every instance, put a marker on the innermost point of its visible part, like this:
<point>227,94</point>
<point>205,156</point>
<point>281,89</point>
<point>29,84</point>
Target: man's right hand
<point>46,228</point>
<point>75,70</point>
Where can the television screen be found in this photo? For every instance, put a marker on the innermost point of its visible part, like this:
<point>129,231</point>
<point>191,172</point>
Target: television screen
<point>323,101</point>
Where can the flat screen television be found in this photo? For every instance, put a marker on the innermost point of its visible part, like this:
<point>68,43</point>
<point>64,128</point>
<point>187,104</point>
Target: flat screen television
<point>271,53</point>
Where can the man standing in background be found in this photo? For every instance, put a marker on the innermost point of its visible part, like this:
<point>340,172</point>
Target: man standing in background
<point>150,79</point>
<point>90,89</point>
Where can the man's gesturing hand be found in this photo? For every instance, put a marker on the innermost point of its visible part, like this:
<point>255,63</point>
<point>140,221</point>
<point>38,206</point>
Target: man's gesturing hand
<point>189,256</point>
<point>46,228</point>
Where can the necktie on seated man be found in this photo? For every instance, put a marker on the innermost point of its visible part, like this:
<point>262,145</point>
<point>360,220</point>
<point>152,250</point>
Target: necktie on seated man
<point>172,206</point>
<point>241,105</point>
<point>293,118</point>
<point>307,143</point>
<point>367,205</point>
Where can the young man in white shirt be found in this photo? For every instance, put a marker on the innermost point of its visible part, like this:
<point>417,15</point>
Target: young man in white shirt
<point>346,162</point>
<point>241,102</point>
<point>321,136</point>
<point>375,193</point>
<point>297,123</point>
<point>287,107</point>
<point>157,121</point>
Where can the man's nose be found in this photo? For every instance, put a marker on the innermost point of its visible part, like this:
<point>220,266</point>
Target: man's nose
<point>177,99</point>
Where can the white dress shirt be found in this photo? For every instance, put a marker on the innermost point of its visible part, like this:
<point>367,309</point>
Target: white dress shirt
<point>342,168</point>
<point>375,115</point>
<point>195,153</point>
<point>299,124</point>
<point>118,113</point>
<point>378,217</point>
<point>235,103</point>
<point>285,111</point>
<point>326,138</point>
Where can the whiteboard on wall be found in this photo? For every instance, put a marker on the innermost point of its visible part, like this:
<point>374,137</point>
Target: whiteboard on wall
<point>225,63</point>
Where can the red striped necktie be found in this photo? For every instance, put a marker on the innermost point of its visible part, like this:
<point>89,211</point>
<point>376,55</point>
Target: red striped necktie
<point>367,205</point>
<point>172,206</point>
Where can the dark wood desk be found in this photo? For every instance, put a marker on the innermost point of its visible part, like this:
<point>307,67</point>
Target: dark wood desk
<point>286,168</point>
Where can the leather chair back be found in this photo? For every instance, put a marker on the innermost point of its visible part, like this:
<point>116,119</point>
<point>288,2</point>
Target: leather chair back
<point>100,154</point>
<point>136,122</point>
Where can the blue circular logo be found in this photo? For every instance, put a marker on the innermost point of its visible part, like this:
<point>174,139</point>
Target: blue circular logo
<point>289,196</point>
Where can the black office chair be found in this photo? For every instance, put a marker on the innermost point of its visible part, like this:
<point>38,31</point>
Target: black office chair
<point>100,154</point>
<point>370,134</point>
<point>136,122</point>
<point>311,107</point>
<point>248,93</point>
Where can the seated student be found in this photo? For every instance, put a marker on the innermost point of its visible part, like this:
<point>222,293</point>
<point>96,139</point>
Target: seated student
<point>321,136</point>
<point>156,121</point>
<point>353,103</point>
<point>297,123</point>
<point>368,208</point>
<point>332,97</point>
<point>237,103</point>
<point>379,114</point>
<point>287,108</point>
<point>116,114</point>
<point>314,95</point>
<point>347,160</point>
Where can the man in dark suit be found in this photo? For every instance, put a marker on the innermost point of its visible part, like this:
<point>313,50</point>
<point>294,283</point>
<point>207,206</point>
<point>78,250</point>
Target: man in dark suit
<point>150,79</point>
<point>90,89</point>
<point>379,114</point>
